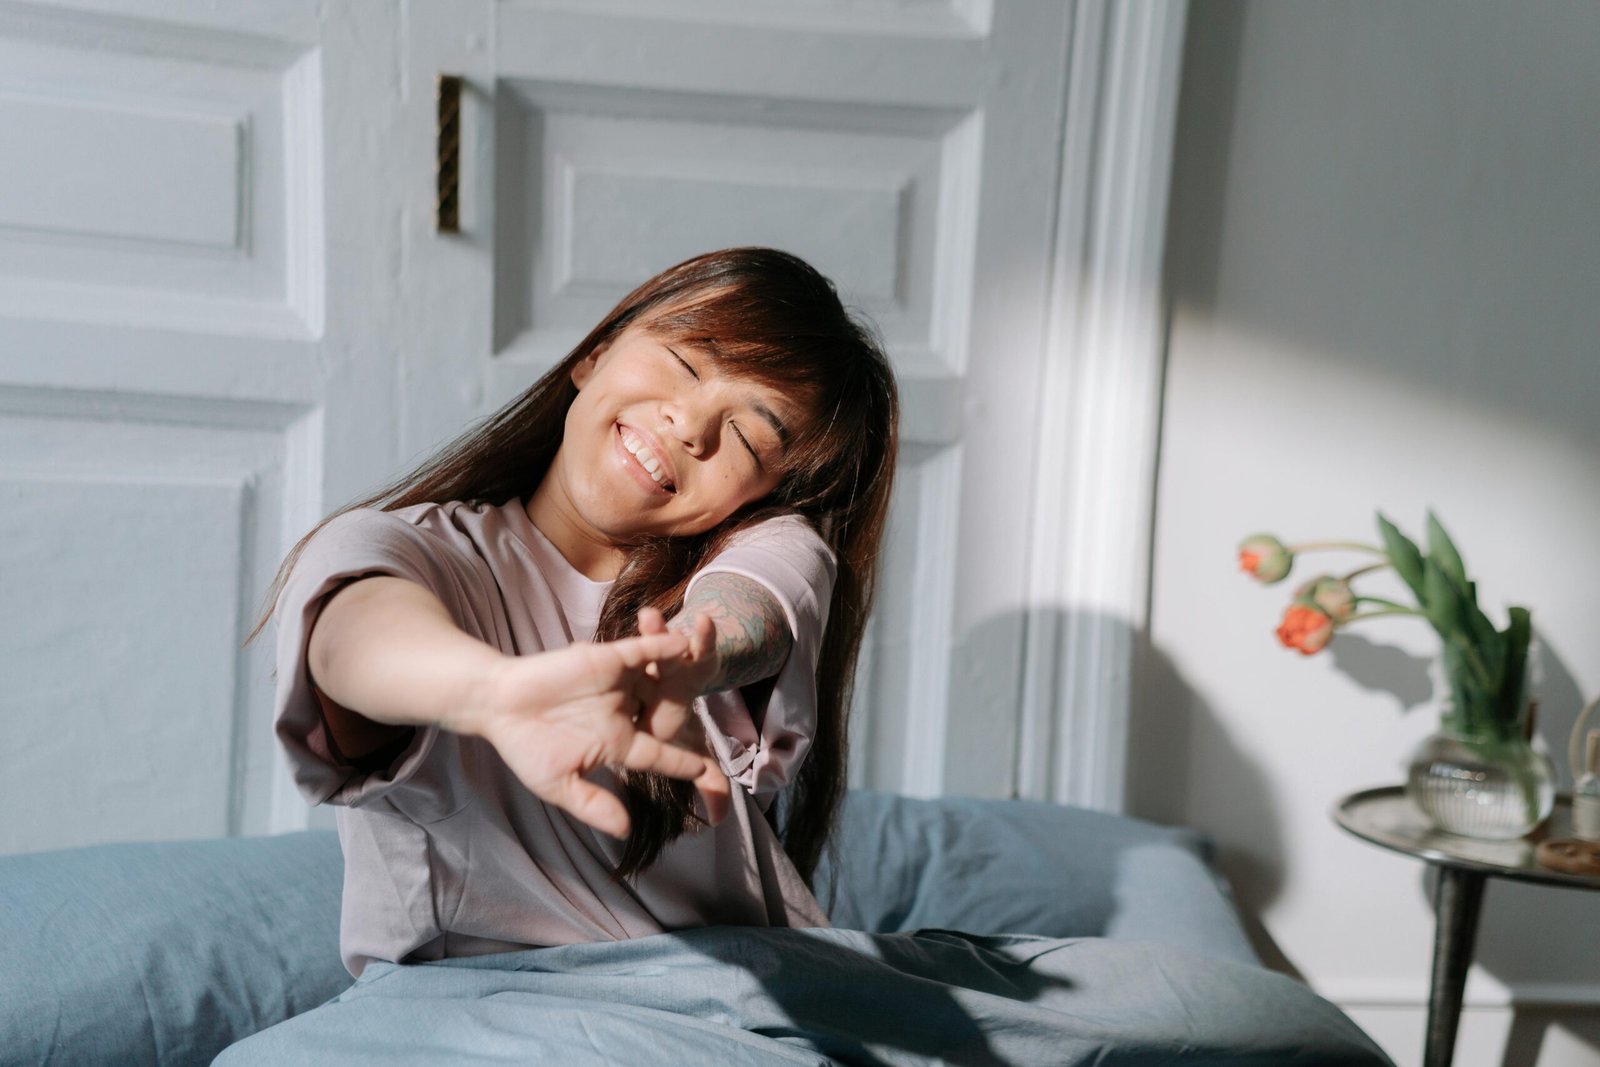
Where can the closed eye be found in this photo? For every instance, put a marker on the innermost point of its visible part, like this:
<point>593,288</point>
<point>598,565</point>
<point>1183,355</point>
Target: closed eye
<point>753,453</point>
<point>688,367</point>
<point>685,364</point>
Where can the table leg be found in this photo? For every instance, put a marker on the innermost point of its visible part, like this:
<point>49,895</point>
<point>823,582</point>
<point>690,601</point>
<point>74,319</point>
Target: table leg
<point>1456,899</point>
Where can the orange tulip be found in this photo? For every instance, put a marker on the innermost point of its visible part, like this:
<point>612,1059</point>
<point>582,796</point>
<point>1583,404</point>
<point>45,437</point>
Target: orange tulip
<point>1305,628</point>
<point>1265,558</point>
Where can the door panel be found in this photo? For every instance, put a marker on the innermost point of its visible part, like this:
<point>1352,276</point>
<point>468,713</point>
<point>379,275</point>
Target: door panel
<point>908,151</point>
<point>224,311</point>
<point>177,406</point>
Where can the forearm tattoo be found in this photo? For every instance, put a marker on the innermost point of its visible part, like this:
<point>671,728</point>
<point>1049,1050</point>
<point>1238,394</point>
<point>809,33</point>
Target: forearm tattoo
<point>753,637</point>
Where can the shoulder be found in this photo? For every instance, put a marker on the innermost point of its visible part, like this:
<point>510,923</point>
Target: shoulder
<point>785,554</point>
<point>788,535</point>
<point>360,519</point>
<point>449,524</point>
<point>422,541</point>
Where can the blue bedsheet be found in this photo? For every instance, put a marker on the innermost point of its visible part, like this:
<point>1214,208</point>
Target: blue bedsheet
<point>760,996</point>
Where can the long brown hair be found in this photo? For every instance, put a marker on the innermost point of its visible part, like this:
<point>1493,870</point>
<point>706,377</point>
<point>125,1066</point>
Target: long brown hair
<point>767,316</point>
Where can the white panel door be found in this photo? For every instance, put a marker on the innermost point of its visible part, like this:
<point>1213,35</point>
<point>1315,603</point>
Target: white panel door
<point>224,311</point>
<point>908,150</point>
<point>197,360</point>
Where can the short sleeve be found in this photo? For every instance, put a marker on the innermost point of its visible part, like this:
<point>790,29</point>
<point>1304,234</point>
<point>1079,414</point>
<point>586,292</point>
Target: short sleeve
<point>786,556</point>
<point>356,544</point>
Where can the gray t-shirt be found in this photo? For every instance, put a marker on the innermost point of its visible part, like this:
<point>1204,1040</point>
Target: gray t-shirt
<point>446,852</point>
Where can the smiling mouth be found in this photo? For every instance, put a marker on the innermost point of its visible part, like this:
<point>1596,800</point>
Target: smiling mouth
<point>644,458</point>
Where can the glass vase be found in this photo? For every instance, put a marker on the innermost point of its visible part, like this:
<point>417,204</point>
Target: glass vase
<point>1481,785</point>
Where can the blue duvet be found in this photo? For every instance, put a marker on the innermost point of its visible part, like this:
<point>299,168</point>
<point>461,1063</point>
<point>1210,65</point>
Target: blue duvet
<point>735,996</point>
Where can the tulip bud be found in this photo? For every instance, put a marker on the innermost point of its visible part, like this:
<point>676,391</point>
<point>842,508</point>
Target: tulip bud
<point>1265,558</point>
<point>1332,596</point>
<point>1305,628</point>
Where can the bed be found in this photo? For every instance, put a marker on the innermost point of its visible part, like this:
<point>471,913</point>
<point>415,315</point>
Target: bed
<point>965,931</point>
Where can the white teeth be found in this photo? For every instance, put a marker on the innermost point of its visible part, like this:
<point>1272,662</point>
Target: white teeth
<point>647,459</point>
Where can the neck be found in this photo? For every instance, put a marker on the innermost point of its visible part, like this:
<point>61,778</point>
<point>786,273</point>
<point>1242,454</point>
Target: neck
<point>589,553</point>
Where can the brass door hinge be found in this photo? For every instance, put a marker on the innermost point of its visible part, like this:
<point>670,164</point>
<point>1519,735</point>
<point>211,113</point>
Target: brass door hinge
<point>447,210</point>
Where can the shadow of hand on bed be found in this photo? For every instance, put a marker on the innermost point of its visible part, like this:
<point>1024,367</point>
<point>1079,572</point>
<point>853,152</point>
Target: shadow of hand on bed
<point>887,1000</point>
<point>871,999</point>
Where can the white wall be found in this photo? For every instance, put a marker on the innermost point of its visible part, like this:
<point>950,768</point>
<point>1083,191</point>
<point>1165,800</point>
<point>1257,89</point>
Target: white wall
<point>1385,294</point>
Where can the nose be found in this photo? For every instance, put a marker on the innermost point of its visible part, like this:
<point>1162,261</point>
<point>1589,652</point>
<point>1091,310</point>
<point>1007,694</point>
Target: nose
<point>692,424</point>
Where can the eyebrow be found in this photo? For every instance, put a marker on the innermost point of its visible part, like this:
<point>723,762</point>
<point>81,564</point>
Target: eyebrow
<point>777,423</point>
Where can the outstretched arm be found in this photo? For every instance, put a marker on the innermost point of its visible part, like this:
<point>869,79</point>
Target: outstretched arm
<point>385,650</point>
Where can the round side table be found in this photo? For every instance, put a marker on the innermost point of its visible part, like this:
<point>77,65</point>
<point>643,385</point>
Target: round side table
<point>1384,817</point>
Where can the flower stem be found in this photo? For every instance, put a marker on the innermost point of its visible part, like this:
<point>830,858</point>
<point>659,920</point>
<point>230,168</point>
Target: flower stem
<point>1368,569</point>
<point>1396,610</point>
<point>1308,546</point>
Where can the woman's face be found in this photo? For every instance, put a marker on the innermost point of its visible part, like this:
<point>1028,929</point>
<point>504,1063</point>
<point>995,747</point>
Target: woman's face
<point>660,441</point>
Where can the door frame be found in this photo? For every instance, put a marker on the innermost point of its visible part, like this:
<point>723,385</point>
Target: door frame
<point>1105,349</point>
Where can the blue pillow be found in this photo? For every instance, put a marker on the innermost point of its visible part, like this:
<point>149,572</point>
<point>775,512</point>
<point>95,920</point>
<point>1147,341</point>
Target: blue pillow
<point>1022,867</point>
<point>164,953</point>
<point>168,953</point>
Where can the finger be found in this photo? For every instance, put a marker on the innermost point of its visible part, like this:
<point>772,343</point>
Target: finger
<point>648,753</point>
<point>589,803</point>
<point>652,622</point>
<point>705,636</point>
<point>635,652</point>
<point>716,791</point>
<point>664,718</point>
<point>662,711</point>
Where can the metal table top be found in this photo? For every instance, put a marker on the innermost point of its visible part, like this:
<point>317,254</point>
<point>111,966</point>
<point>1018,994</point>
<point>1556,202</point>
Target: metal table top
<point>1386,818</point>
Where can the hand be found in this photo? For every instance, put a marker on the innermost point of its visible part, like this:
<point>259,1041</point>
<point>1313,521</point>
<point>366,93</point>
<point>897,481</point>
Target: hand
<point>679,681</point>
<point>556,716</point>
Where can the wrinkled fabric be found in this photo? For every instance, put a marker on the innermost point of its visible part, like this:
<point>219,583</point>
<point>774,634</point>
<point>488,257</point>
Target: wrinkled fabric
<point>797,567</point>
<point>446,853</point>
<point>779,997</point>
<point>160,954</point>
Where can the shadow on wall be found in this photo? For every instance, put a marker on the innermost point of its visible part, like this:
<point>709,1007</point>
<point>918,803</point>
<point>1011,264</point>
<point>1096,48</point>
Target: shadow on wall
<point>1408,678</point>
<point>1168,723</point>
<point>1164,706</point>
<point>1171,730</point>
<point>1420,204</point>
<point>1529,1032</point>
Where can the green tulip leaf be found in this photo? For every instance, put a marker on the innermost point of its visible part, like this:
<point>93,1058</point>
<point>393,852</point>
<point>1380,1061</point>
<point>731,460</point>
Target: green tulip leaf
<point>1405,558</point>
<point>1491,645</point>
<point>1518,635</point>
<point>1442,601</point>
<point>1451,615</point>
<point>1485,638</point>
<point>1443,551</point>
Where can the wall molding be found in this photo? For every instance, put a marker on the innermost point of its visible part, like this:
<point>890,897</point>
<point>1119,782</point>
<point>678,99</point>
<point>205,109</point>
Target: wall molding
<point>1100,402</point>
<point>1482,993</point>
<point>304,505</point>
<point>928,692</point>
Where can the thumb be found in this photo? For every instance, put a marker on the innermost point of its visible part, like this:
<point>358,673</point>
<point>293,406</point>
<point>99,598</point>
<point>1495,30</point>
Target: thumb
<point>716,791</point>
